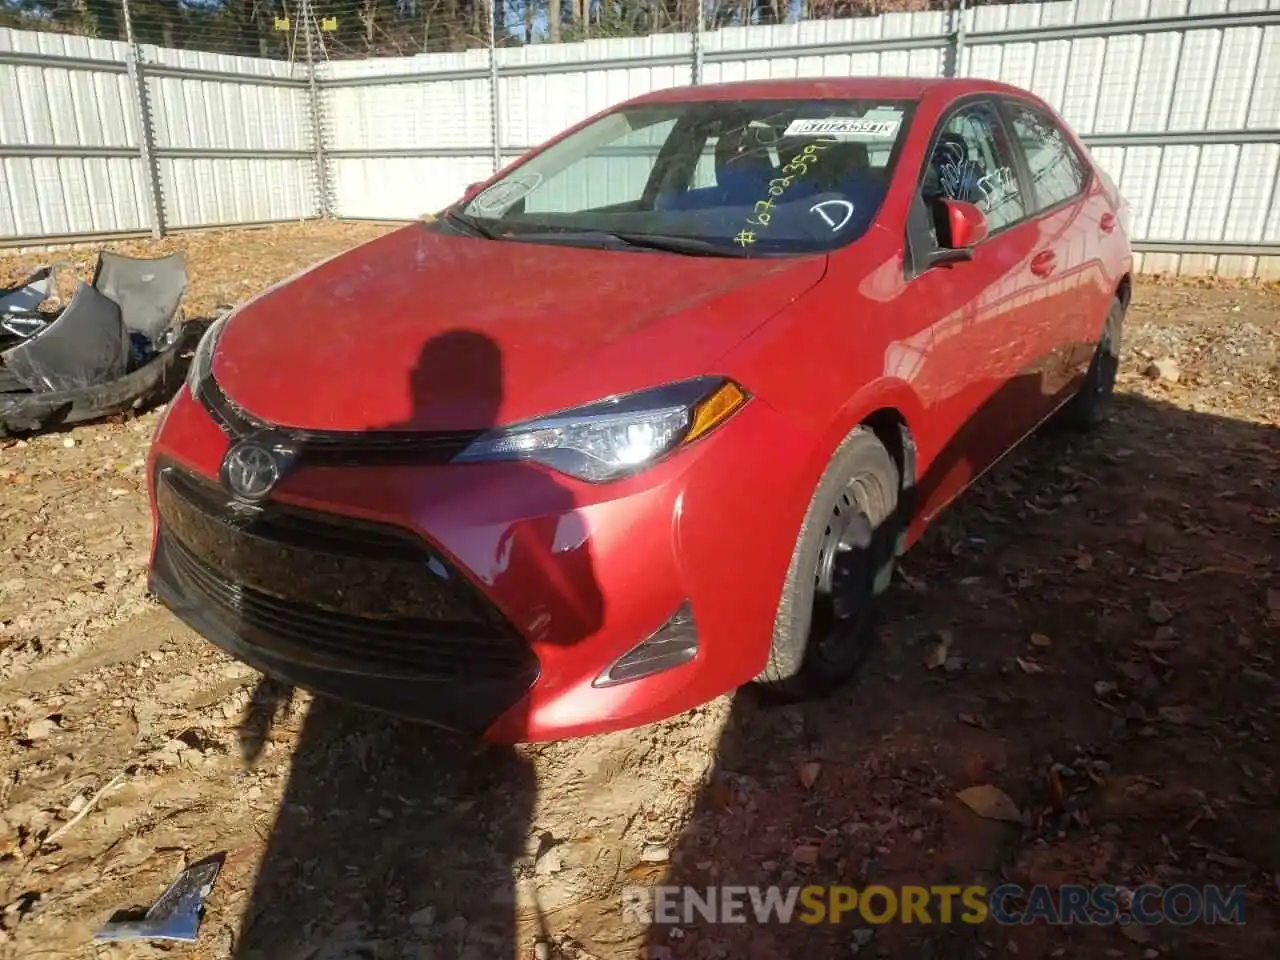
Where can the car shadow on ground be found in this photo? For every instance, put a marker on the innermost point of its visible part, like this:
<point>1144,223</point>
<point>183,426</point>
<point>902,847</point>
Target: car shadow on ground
<point>1109,669</point>
<point>395,838</point>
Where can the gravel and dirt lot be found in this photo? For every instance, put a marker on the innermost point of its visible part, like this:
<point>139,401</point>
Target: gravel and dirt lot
<point>1090,636</point>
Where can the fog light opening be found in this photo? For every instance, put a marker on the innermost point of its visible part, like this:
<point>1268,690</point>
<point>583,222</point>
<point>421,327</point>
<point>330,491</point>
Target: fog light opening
<point>672,644</point>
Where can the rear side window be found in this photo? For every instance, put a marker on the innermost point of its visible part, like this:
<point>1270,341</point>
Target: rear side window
<point>1057,172</point>
<point>971,161</point>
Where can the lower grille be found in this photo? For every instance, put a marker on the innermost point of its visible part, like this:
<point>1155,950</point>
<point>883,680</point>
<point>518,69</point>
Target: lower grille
<point>310,587</point>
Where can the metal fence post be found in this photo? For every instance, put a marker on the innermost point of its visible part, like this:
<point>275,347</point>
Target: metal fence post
<point>317,122</point>
<point>955,52</point>
<point>146,131</point>
<point>495,95</point>
<point>698,29</point>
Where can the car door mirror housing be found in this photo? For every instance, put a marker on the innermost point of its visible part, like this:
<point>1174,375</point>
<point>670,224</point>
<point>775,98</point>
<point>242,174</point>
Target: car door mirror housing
<point>961,227</point>
<point>967,224</point>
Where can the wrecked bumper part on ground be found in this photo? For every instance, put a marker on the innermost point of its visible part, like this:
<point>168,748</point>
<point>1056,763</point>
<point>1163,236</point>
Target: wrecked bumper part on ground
<point>28,295</point>
<point>111,348</point>
<point>86,344</point>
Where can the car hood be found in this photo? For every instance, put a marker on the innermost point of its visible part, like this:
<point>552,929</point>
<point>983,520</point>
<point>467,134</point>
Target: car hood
<point>422,329</point>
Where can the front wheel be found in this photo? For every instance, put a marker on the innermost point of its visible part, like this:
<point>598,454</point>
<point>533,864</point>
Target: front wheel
<point>1087,408</point>
<point>842,562</point>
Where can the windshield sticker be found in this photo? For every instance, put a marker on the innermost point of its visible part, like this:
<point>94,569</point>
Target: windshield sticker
<point>778,187</point>
<point>844,128</point>
<point>840,205</point>
<point>509,192</point>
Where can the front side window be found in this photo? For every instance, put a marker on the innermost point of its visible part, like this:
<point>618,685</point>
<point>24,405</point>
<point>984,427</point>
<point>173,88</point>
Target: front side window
<point>739,177</point>
<point>972,161</point>
<point>1057,172</point>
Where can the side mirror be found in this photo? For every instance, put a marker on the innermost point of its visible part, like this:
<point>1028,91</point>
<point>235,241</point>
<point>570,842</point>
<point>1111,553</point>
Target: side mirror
<point>962,226</point>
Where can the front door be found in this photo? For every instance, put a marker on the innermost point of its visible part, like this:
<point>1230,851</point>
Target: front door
<point>983,382</point>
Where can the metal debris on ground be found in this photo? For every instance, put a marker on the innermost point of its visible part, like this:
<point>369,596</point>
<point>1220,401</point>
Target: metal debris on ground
<point>176,915</point>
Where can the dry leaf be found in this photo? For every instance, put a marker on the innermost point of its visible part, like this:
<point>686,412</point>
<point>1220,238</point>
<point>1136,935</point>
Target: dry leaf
<point>808,773</point>
<point>1225,861</point>
<point>1136,932</point>
<point>1029,666</point>
<point>1055,787</point>
<point>1178,714</point>
<point>990,802</point>
<point>1135,672</point>
<point>806,855</point>
<point>1041,640</point>
<point>1084,562</point>
<point>646,871</point>
<point>721,794</point>
<point>937,655</point>
<point>972,720</point>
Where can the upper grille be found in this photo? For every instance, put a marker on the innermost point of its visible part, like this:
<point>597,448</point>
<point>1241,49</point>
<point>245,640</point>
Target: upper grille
<point>323,588</point>
<point>334,447</point>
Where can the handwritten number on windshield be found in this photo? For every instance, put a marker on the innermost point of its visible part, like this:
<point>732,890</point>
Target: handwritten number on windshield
<point>763,211</point>
<point>763,214</point>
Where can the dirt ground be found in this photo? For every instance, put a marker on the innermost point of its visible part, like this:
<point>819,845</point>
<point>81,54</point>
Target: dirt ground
<point>1107,610</point>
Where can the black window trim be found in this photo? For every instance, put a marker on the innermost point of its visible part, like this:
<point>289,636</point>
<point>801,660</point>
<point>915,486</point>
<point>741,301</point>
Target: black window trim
<point>992,99</point>
<point>1007,105</point>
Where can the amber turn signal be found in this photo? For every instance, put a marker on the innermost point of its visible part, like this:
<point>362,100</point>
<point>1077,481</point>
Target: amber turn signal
<point>715,410</point>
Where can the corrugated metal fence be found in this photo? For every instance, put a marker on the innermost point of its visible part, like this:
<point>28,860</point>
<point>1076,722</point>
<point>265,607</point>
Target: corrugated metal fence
<point>1178,99</point>
<point>211,140</point>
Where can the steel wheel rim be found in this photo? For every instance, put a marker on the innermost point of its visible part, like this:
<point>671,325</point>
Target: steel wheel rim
<point>843,577</point>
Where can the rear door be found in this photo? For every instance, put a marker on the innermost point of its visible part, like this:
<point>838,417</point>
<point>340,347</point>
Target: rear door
<point>1067,204</point>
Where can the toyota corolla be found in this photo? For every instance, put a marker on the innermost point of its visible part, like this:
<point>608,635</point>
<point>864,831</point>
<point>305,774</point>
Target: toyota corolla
<point>649,414</point>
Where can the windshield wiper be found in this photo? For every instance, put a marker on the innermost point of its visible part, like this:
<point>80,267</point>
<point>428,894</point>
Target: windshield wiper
<point>472,225</point>
<point>689,246</point>
<point>693,246</point>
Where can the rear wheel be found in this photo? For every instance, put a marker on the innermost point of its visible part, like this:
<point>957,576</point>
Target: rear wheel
<point>842,562</point>
<point>1087,408</point>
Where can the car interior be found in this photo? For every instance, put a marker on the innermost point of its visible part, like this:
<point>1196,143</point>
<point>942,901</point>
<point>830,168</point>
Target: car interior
<point>745,169</point>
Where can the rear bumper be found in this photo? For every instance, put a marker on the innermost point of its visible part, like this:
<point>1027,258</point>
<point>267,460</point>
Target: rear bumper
<point>563,579</point>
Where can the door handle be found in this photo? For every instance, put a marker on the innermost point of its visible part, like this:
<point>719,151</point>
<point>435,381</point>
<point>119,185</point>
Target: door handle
<point>1042,263</point>
<point>1107,222</point>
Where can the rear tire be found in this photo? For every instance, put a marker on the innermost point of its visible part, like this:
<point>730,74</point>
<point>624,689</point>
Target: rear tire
<point>1088,407</point>
<point>842,563</point>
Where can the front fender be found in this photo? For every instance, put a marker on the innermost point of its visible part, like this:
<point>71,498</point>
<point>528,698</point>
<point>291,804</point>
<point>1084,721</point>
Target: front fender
<point>870,403</point>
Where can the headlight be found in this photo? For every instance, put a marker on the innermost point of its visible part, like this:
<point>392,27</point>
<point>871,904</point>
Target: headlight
<point>615,437</point>
<point>202,359</point>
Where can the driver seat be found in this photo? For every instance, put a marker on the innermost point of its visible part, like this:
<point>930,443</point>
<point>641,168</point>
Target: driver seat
<point>743,172</point>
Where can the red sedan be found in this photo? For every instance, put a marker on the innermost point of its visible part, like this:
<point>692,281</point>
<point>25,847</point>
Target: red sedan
<point>649,414</point>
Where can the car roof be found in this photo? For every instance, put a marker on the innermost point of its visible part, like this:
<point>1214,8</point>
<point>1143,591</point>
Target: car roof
<point>831,88</point>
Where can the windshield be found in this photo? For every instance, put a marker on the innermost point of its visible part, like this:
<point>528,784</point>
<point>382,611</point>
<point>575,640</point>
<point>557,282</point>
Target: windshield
<point>739,177</point>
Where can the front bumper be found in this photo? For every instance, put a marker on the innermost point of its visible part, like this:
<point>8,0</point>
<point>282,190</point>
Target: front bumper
<point>487,598</point>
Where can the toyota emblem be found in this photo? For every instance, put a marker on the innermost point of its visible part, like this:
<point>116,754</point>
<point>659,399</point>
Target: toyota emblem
<point>250,470</point>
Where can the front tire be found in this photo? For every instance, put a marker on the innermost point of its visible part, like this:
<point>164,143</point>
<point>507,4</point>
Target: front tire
<point>842,563</point>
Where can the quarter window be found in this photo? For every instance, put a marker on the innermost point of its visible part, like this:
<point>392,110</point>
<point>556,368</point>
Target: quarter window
<point>1057,172</point>
<point>971,161</point>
